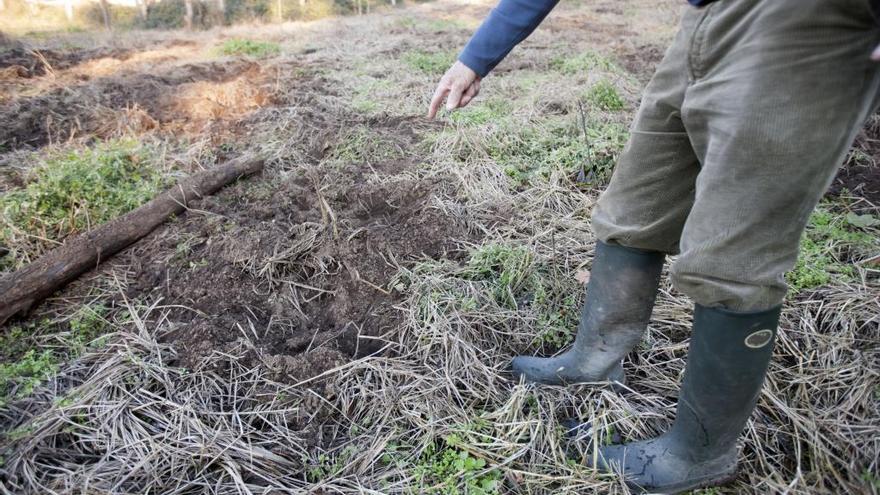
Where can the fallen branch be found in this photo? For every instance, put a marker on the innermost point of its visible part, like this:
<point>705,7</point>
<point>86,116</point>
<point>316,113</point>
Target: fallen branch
<point>24,288</point>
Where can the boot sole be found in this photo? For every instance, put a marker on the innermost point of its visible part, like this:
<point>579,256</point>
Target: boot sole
<point>704,482</point>
<point>616,376</point>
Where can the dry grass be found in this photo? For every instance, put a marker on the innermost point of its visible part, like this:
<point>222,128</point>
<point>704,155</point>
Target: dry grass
<point>124,419</point>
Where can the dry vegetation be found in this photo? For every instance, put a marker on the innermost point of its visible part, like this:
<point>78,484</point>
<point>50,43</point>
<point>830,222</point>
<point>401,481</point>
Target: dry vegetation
<point>343,322</point>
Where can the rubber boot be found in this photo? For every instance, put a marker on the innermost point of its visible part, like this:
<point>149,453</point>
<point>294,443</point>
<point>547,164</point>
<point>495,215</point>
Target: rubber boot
<point>620,296</point>
<point>727,361</point>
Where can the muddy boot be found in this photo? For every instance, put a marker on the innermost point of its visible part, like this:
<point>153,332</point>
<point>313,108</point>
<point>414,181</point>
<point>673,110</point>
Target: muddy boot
<point>727,361</point>
<point>620,296</point>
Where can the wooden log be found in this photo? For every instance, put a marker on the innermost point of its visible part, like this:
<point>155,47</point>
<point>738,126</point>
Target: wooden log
<point>22,289</point>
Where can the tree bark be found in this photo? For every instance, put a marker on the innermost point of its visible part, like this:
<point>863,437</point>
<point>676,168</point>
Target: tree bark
<point>143,7</point>
<point>21,290</point>
<point>105,13</point>
<point>221,7</point>
<point>188,15</point>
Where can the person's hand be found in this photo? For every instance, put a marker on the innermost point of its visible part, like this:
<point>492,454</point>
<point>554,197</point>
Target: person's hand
<point>459,86</point>
<point>876,55</point>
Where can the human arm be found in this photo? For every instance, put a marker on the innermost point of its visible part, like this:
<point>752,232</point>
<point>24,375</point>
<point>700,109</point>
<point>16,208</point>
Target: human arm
<point>510,22</point>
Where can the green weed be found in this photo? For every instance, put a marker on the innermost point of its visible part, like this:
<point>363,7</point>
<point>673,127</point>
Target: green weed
<point>583,62</point>
<point>360,144</point>
<point>72,192</point>
<point>506,268</point>
<point>515,281</point>
<point>18,339</point>
<point>446,469</point>
<point>497,278</point>
<point>249,48</point>
<point>871,479</point>
<point>327,465</point>
<point>447,25</point>
<point>432,63</point>
<point>365,98</point>
<point>24,366</point>
<point>405,22</point>
<point>829,240</point>
<point>19,379</point>
<point>491,111</point>
<point>588,151</point>
<point>605,96</point>
<point>87,328</point>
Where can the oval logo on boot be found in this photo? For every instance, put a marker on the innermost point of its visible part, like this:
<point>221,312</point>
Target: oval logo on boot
<point>759,339</point>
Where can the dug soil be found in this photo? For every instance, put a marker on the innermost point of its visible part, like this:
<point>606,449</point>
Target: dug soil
<point>294,271</point>
<point>185,97</point>
<point>859,177</point>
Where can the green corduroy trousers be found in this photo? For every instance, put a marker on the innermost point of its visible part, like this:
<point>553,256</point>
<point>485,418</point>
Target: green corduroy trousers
<point>739,134</point>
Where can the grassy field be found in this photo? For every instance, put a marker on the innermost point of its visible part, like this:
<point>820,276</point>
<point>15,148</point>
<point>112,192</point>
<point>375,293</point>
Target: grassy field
<point>342,322</point>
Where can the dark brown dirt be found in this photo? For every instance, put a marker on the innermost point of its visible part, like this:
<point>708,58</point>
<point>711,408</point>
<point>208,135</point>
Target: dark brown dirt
<point>641,60</point>
<point>31,63</point>
<point>17,60</point>
<point>295,269</point>
<point>185,96</point>
<point>860,173</point>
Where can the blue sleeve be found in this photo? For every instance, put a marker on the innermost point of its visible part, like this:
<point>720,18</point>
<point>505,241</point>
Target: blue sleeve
<point>510,22</point>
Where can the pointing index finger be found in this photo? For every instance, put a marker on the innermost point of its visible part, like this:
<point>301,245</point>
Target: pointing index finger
<point>437,100</point>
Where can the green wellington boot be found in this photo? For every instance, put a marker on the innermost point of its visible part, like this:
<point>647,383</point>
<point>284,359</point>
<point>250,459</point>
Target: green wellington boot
<point>728,358</point>
<point>620,296</point>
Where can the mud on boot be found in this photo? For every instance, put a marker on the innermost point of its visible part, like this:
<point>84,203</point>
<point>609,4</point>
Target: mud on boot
<point>620,297</point>
<point>727,361</point>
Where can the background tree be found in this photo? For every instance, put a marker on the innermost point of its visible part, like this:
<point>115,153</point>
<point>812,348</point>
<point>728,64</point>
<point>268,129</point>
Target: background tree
<point>105,13</point>
<point>68,10</point>
<point>187,15</point>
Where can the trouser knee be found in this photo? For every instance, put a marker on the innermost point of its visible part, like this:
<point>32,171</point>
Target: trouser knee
<point>742,284</point>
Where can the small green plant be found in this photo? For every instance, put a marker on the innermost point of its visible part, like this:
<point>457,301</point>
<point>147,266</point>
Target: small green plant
<point>327,465</point>
<point>515,281</point>
<point>871,479</point>
<point>507,268</point>
<point>360,144</point>
<point>369,95</point>
<point>75,191</point>
<point>18,339</point>
<point>249,48</point>
<point>496,279</point>
<point>583,62</point>
<point>19,379</point>
<point>830,239</point>
<point>491,111</point>
<point>432,63</point>
<point>87,328</point>
<point>587,150</point>
<point>446,25</point>
<point>446,469</point>
<point>605,96</point>
<point>25,366</point>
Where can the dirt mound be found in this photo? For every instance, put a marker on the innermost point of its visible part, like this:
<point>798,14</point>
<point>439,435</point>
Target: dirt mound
<point>40,62</point>
<point>185,96</point>
<point>296,270</point>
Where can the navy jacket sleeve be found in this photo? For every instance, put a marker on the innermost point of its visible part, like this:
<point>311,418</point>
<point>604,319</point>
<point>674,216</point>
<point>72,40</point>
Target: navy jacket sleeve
<point>510,22</point>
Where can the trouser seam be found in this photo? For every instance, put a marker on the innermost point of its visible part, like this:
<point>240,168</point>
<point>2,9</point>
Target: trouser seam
<point>696,64</point>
